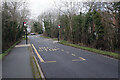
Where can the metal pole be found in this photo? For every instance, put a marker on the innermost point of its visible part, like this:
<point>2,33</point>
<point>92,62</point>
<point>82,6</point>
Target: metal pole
<point>23,30</point>
<point>58,35</point>
<point>26,34</point>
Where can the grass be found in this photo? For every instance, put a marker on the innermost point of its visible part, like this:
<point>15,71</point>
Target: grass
<point>111,54</point>
<point>7,51</point>
<point>37,68</point>
<point>36,73</point>
<point>31,61</point>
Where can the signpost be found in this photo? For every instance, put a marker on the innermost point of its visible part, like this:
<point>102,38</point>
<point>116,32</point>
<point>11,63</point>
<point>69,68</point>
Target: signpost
<point>25,30</point>
<point>58,32</point>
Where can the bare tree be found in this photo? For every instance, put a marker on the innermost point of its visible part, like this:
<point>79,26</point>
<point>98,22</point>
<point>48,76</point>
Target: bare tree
<point>12,21</point>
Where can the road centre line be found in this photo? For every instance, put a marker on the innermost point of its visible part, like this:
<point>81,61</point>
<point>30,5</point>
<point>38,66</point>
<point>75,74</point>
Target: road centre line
<point>73,55</point>
<point>41,59</point>
<point>82,58</point>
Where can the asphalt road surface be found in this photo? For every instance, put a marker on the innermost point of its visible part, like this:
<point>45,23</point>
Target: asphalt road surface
<point>60,61</point>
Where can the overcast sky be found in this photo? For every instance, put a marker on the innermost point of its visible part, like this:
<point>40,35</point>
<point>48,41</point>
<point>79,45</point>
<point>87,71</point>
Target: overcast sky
<point>39,6</point>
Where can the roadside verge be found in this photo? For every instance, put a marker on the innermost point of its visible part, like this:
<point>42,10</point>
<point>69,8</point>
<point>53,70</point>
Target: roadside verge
<point>37,71</point>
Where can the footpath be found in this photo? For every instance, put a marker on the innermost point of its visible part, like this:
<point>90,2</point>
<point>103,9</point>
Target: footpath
<point>17,63</point>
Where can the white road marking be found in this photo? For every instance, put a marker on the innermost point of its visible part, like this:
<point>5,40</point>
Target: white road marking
<point>24,45</point>
<point>82,58</point>
<point>73,54</point>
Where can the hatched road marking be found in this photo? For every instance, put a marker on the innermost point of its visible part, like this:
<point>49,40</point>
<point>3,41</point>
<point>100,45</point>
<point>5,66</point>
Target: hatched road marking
<point>41,59</point>
<point>45,49</point>
<point>48,49</point>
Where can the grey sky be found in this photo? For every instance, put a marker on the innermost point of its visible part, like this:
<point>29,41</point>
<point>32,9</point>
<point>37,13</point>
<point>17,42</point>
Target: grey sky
<point>39,6</point>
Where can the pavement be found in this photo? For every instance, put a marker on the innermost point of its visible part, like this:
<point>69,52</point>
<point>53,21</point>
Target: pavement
<point>60,61</point>
<point>17,63</point>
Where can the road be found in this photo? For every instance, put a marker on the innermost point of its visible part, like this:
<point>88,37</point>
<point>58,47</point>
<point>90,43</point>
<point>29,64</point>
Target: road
<point>60,61</point>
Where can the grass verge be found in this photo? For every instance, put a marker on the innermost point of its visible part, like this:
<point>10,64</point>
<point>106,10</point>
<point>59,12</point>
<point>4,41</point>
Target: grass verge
<point>6,52</point>
<point>35,70</point>
<point>36,73</point>
<point>111,54</point>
